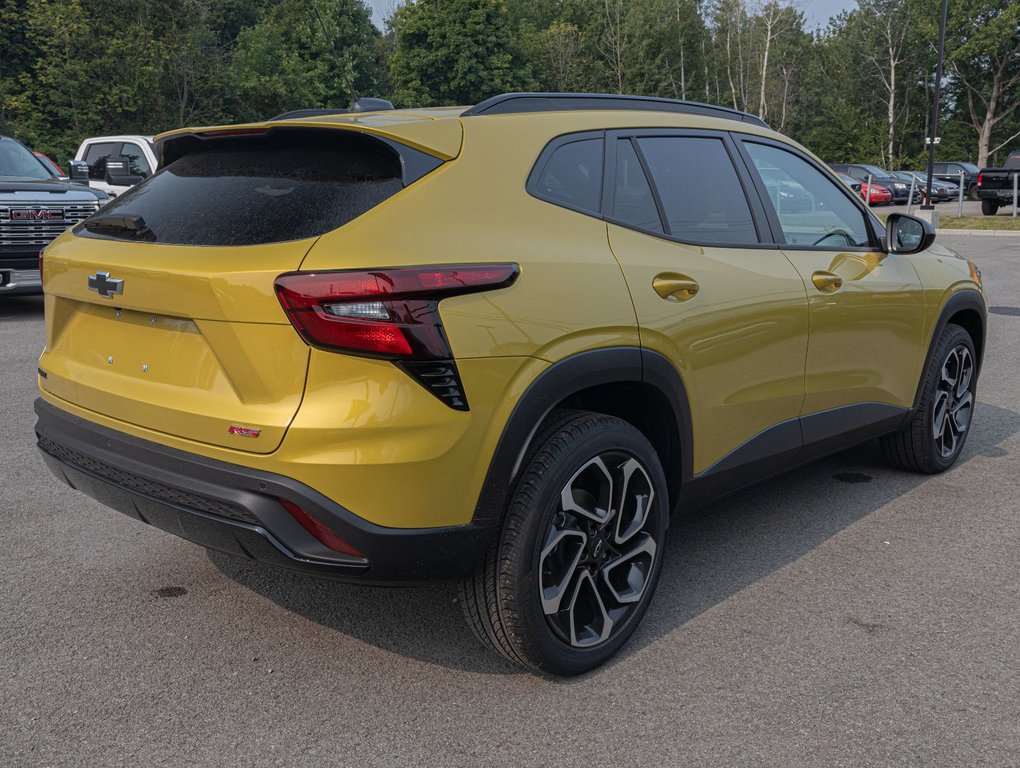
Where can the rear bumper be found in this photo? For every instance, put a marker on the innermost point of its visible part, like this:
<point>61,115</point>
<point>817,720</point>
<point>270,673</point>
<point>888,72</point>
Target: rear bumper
<point>1005,195</point>
<point>17,281</point>
<point>237,510</point>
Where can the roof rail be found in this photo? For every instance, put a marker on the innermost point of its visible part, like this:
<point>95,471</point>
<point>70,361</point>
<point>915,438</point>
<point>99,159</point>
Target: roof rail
<point>512,103</point>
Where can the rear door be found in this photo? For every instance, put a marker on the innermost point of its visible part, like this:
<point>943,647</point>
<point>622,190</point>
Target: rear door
<point>712,294</point>
<point>867,306</point>
<point>173,324</point>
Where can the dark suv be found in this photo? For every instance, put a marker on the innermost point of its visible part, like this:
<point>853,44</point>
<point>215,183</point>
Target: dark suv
<point>951,172</point>
<point>35,207</point>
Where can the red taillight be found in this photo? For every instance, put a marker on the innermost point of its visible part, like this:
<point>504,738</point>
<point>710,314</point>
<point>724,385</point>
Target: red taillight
<point>980,179</point>
<point>320,530</point>
<point>391,313</point>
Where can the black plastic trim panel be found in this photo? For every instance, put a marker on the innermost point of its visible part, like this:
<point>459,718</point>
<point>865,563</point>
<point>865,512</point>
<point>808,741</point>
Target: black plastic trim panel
<point>393,555</point>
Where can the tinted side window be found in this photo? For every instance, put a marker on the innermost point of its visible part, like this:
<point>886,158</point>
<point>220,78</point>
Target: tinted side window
<point>96,155</point>
<point>572,176</point>
<point>633,203</point>
<point>139,166</point>
<point>700,191</point>
<point>811,208</point>
<point>287,186</point>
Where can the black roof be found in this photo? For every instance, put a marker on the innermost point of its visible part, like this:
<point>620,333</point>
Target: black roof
<point>511,103</point>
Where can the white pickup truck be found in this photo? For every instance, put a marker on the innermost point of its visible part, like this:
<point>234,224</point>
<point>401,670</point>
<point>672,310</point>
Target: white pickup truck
<point>138,151</point>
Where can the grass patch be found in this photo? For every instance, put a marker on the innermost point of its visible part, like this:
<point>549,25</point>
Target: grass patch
<point>1001,221</point>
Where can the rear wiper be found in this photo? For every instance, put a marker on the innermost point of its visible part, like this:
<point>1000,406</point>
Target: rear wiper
<point>133,226</point>
<point>113,221</point>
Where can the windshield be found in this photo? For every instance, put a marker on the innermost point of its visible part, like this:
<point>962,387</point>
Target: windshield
<point>969,167</point>
<point>15,160</point>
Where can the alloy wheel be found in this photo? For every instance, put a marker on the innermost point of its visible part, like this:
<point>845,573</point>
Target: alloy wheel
<point>953,404</point>
<point>598,554</point>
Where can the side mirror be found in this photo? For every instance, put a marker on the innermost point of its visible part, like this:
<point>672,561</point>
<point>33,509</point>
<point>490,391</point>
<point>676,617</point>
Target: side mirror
<point>78,172</point>
<point>907,234</point>
<point>118,172</point>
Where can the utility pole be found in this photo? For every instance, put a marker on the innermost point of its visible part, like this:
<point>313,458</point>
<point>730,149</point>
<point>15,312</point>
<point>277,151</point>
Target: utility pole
<point>928,205</point>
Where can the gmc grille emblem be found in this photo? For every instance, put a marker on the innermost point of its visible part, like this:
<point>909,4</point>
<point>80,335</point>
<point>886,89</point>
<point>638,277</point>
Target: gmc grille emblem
<point>104,285</point>
<point>37,214</point>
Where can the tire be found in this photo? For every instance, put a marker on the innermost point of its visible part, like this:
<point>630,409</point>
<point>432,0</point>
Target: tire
<point>553,594</point>
<point>972,192</point>
<point>932,440</point>
<point>989,207</point>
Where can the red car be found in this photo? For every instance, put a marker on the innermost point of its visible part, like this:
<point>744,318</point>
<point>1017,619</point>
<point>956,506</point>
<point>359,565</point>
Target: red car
<point>50,164</point>
<point>879,194</point>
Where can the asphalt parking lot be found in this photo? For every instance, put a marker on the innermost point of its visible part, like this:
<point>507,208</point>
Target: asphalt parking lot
<point>842,615</point>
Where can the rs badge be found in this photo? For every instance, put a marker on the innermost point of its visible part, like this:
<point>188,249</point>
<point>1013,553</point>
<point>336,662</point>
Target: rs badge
<point>237,429</point>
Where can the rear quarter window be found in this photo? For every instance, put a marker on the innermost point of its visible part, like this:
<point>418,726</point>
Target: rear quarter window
<point>572,176</point>
<point>289,185</point>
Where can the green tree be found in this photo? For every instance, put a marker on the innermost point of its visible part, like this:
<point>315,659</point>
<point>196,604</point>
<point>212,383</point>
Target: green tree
<point>983,52</point>
<point>455,52</point>
<point>288,61</point>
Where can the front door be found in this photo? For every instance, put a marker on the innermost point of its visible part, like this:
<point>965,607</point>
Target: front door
<point>867,306</point>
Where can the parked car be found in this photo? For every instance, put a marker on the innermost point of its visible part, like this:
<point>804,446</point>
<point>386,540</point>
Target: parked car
<point>995,185</point>
<point>942,191</point>
<point>137,155</point>
<point>951,172</point>
<point>56,169</point>
<point>879,195</point>
<point>35,207</point>
<point>370,353</point>
<point>862,172</point>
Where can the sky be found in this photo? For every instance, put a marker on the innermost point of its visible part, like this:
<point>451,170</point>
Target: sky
<point>816,12</point>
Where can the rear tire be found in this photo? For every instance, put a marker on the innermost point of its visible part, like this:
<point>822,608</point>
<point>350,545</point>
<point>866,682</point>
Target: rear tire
<point>972,193</point>
<point>989,207</point>
<point>581,548</point>
<point>932,440</point>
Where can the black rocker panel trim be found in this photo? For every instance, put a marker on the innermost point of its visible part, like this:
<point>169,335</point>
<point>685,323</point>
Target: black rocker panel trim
<point>790,444</point>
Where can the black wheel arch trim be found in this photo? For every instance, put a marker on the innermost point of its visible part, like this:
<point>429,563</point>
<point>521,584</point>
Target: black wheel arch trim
<point>563,379</point>
<point>967,298</point>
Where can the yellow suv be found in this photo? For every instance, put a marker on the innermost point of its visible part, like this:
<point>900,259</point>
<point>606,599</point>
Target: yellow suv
<point>498,345</point>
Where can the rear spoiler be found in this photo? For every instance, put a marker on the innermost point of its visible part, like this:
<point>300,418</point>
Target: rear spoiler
<point>439,139</point>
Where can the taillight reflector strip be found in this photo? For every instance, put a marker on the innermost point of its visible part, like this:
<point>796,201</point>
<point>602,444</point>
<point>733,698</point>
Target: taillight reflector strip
<point>323,533</point>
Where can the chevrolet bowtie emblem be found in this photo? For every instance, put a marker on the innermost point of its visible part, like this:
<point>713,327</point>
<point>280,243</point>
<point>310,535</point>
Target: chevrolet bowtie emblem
<point>104,285</point>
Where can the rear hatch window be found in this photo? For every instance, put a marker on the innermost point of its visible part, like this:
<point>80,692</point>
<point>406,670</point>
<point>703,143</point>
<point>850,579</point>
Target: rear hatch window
<point>227,191</point>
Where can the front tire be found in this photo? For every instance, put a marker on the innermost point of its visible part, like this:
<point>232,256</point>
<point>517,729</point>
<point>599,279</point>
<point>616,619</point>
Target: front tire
<point>932,440</point>
<point>989,207</point>
<point>580,551</point>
